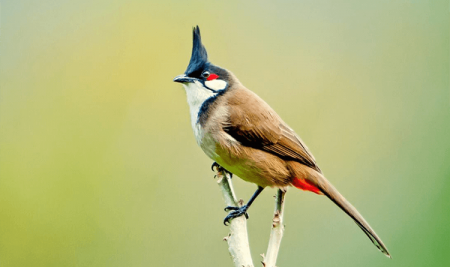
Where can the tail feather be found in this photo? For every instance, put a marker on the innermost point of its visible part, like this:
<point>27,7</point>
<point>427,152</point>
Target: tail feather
<point>331,192</point>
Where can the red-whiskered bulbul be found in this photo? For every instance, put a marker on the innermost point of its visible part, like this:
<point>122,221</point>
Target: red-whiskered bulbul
<point>246,137</point>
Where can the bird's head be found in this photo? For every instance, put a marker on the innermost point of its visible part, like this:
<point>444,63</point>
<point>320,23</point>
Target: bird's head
<point>201,75</point>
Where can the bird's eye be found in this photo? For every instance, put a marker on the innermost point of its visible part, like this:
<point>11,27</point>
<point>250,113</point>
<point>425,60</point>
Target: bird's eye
<point>205,74</point>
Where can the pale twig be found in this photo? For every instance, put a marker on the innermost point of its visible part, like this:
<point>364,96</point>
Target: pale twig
<point>276,234</point>
<point>237,239</point>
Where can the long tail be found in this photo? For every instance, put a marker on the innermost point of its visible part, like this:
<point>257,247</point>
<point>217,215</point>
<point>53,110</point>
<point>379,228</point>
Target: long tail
<point>318,180</point>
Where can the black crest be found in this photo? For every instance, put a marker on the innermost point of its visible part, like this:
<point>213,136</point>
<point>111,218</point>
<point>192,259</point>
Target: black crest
<point>199,57</point>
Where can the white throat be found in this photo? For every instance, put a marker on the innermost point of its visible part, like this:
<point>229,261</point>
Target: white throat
<point>196,96</point>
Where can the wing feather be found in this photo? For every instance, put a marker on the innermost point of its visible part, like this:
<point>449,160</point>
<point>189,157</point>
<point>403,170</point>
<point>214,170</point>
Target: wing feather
<point>255,124</point>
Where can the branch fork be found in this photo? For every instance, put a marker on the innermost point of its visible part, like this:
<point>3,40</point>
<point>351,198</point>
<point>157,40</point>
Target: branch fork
<point>237,239</point>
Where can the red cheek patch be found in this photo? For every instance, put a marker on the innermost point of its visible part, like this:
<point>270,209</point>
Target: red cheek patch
<point>212,76</point>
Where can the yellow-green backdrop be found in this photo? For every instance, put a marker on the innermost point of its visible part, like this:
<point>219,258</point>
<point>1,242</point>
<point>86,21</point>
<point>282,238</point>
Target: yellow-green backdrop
<point>99,166</point>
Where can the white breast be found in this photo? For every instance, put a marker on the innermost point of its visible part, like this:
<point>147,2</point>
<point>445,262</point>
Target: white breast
<point>196,95</point>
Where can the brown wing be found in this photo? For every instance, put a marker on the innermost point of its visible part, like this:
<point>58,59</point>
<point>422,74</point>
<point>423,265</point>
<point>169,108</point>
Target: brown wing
<point>255,124</point>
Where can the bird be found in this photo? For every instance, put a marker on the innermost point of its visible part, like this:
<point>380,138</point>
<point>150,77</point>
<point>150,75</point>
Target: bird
<point>244,136</point>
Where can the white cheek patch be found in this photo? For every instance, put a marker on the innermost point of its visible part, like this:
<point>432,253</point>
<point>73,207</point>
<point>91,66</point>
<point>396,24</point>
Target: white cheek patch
<point>216,84</point>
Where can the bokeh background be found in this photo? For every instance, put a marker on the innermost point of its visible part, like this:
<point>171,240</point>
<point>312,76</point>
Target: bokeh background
<point>99,166</point>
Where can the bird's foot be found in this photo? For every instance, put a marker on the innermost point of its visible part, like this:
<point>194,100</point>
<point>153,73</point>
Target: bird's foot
<point>235,212</point>
<point>220,168</point>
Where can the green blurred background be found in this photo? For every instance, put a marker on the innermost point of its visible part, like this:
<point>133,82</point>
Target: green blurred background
<point>99,166</point>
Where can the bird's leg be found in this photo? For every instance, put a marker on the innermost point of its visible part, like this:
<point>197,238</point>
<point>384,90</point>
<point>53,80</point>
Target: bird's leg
<point>238,211</point>
<point>215,164</point>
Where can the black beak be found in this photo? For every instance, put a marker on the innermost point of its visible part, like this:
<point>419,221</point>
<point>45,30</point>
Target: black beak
<point>183,79</point>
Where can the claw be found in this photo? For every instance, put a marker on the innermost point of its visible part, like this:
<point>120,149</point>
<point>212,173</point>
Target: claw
<point>230,208</point>
<point>215,164</point>
<point>236,212</point>
<point>220,168</point>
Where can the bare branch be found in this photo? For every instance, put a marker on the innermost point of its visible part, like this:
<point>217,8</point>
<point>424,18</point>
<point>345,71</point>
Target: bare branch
<point>237,239</point>
<point>276,234</point>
